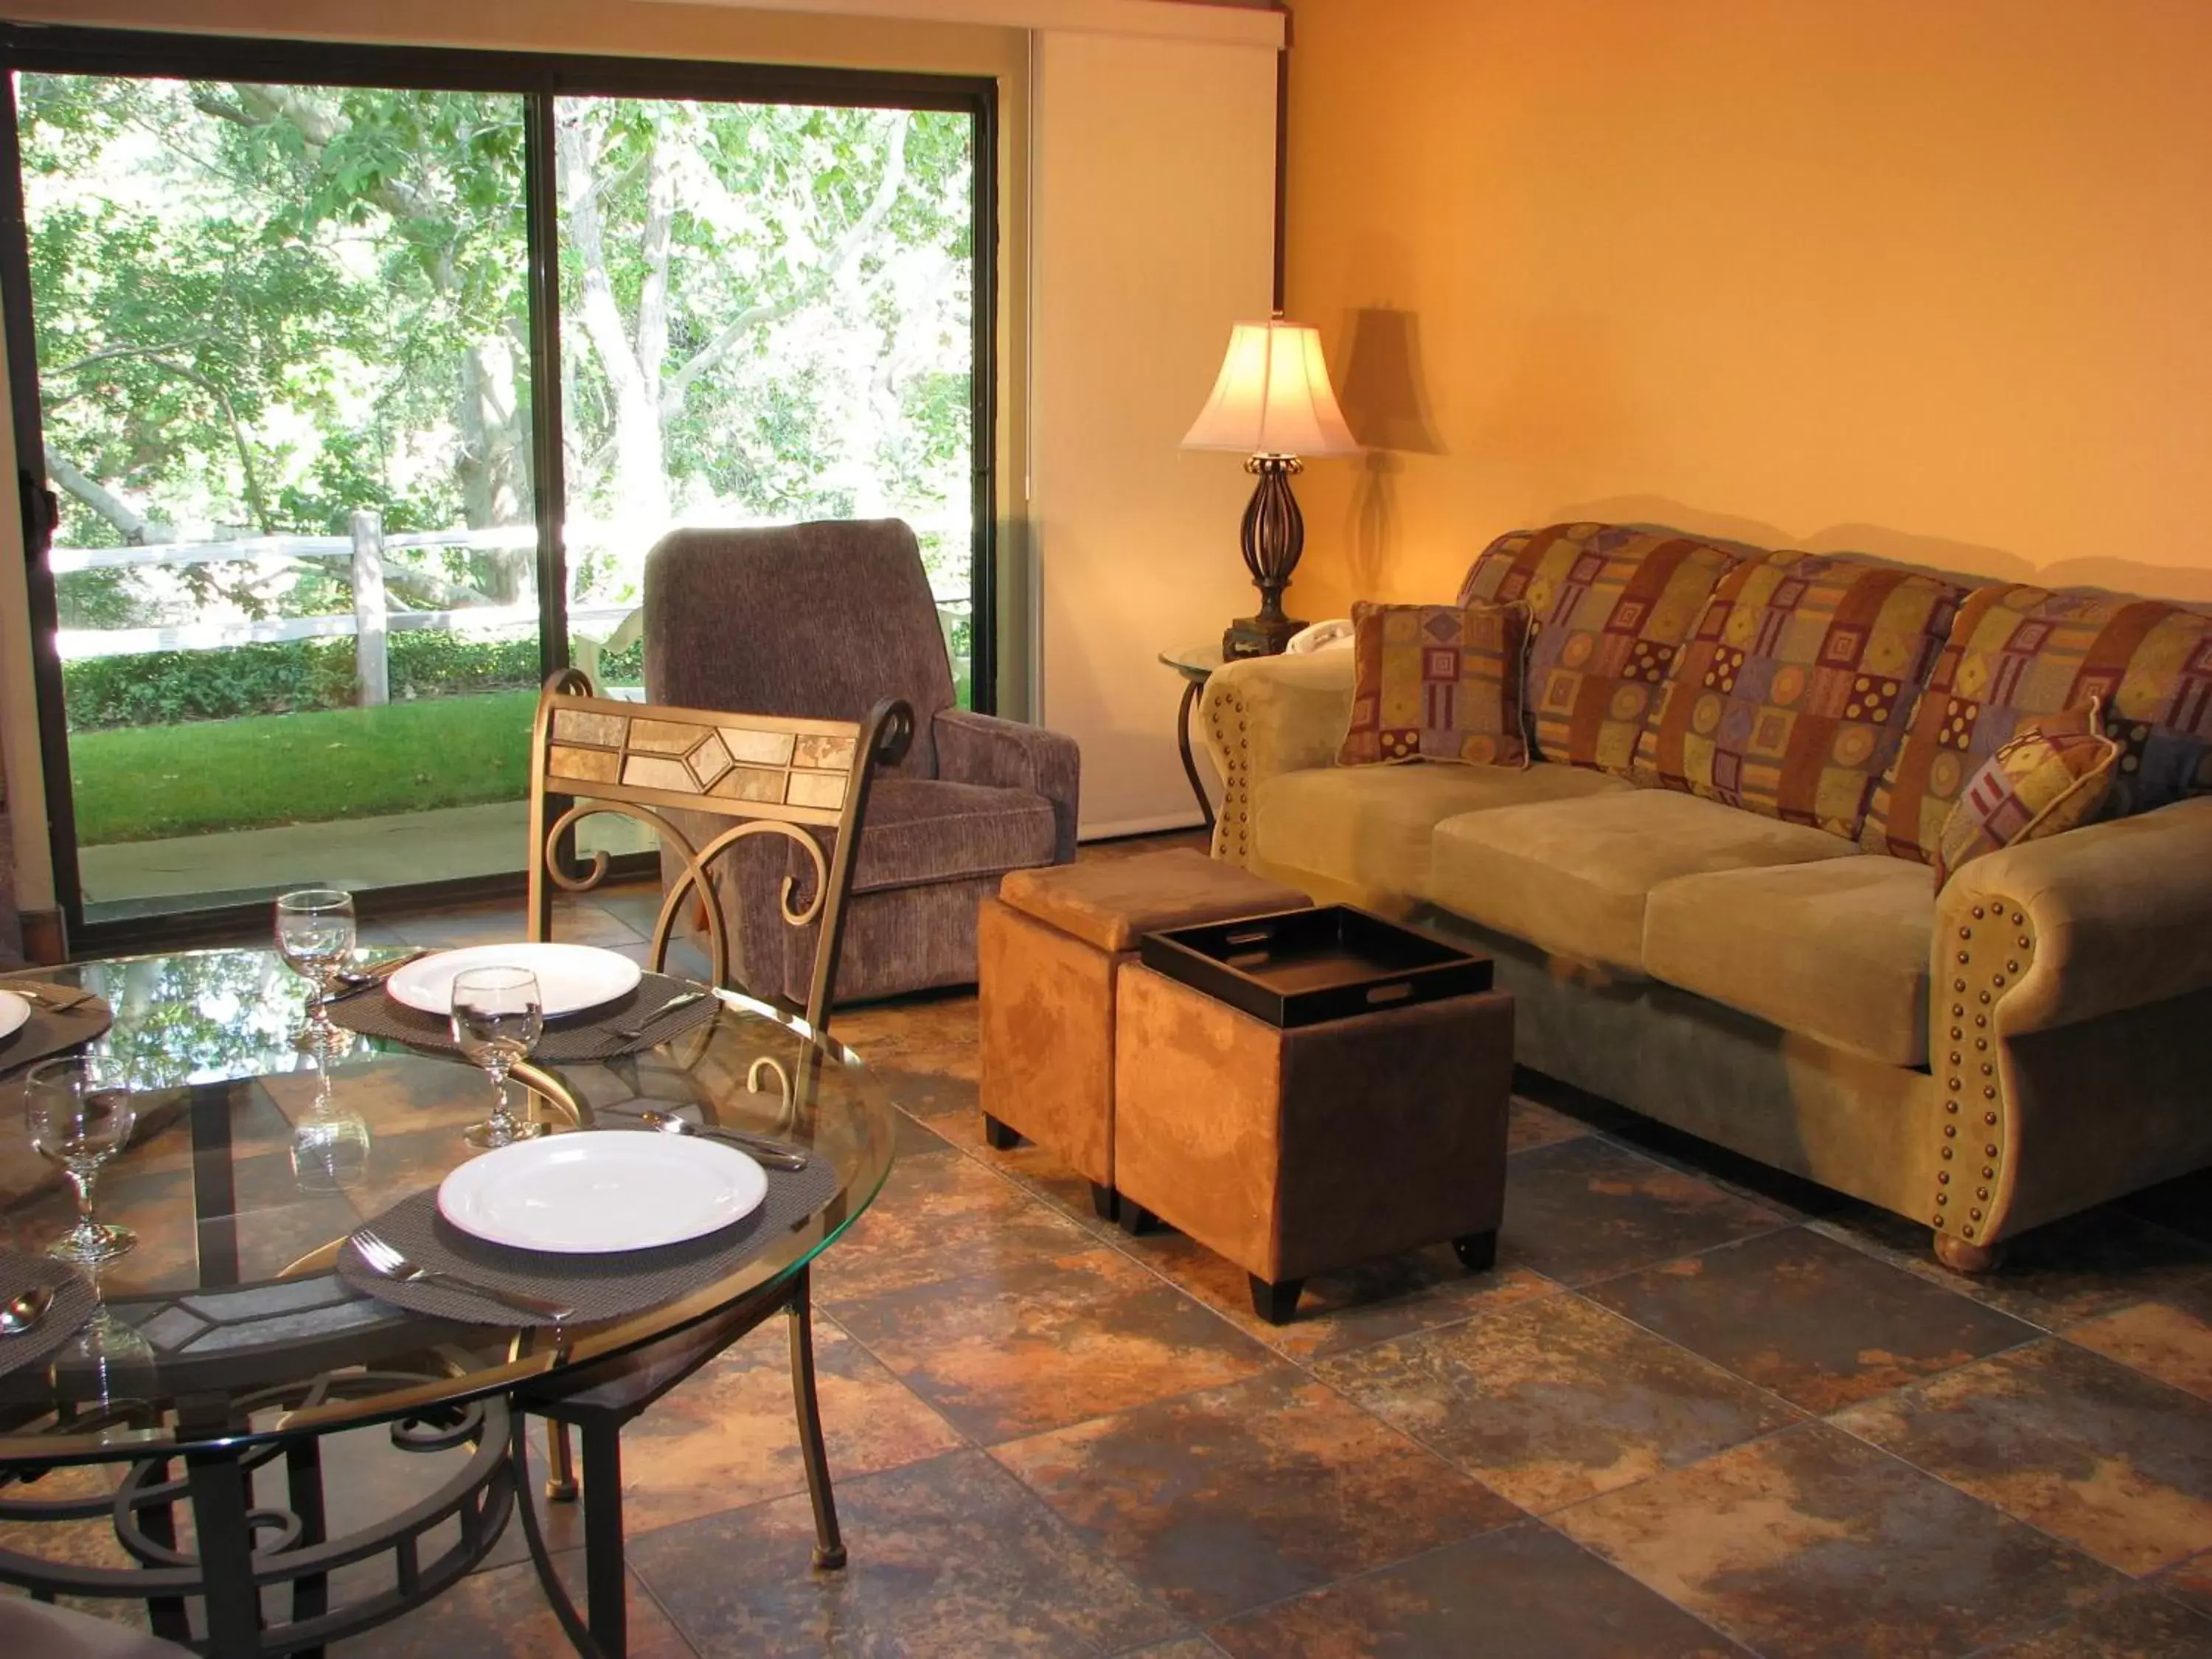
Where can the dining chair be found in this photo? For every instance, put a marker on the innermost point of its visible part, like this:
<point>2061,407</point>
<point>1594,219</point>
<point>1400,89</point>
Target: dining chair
<point>705,782</point>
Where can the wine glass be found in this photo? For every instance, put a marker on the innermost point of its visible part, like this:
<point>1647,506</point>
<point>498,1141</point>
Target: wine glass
<point>498,1016</point>
<point>79,1113</point>
<point>330,1145</point>
<point>315,937</point>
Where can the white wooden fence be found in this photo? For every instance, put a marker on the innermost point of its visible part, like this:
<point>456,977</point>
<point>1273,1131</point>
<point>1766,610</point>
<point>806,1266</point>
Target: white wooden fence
<point>371,620</point>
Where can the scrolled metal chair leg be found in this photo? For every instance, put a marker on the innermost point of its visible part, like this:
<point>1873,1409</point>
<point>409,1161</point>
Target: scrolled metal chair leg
<point>829,1542</point>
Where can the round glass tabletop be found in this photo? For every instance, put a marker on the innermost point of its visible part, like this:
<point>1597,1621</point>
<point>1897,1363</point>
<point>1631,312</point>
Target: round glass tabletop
<point>235,1326</point>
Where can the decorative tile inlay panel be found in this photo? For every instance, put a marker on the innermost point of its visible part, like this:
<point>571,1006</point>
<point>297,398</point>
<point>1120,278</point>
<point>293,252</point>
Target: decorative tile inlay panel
<point>582,725</point>
<point>652,772</point>
<point>749,783</point>
<point>709,761</point>
<point>824,753</point>
<point>588,765</point>
<point>751,748</point>
<point>823,789</point>
<point>660,737</point>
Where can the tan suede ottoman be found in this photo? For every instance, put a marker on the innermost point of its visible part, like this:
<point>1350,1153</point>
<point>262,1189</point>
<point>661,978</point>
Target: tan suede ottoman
<point>1299,1151</point>
<point>1046,952</point>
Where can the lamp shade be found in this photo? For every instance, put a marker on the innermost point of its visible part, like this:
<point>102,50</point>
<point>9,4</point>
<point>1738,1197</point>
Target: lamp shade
<point>1274,396</point>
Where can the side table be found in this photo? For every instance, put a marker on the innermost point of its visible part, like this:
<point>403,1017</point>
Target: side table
<point>1196,664</point>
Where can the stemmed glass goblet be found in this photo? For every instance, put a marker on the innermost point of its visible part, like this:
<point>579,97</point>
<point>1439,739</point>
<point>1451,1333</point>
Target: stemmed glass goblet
<point>315,936</point>
<point>498,1016</point>
<point>79,1113</point>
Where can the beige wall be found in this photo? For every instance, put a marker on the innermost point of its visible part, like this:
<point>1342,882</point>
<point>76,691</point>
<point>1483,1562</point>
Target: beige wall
<point>1925,279</point>
<point>1154,231</point>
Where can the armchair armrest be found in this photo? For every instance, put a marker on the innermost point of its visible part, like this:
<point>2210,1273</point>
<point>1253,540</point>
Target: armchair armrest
<point>982,748</point>
<point>1263,715</point>
<point>2108,917</point>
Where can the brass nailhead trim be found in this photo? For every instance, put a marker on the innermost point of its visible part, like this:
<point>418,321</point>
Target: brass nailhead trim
<point>1950,1105</point>
<point>1950,1130</point>
<point>1969,1231</point>
<point>1989,1151</point>
<point>1942,1177</point>
<point>1981,1191</point>
<point>1946,1154</point>
<point>1977,1214</point>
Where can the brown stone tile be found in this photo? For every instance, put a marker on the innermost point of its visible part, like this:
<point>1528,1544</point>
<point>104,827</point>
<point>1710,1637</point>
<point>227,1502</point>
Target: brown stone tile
<point>2191,1582</point>
<point>1811,1544</point>
<point>2054,1276</point>
<point>1584,1209</point>
<point>2089,1451</point>
<point>576,921</point>
<point>1730,1170</point>
<point>2169,1337</point>
<point>1031,1167</point>
<point>1397,1296</point>
<point>728,1436</point>
<point>2136,1624</point>
<point>935,1032</point>
<point>941,1215</point>
<point>1524,1591</point>
<point>1529,1123</point>
<point>1814,1320</point>
<point>950,1558</point>
<point>1186,1647</point>
<point>1554,1401</point>
<point>503,1611</point>
<point>1233,1497</point>
<point>1043,1342</point>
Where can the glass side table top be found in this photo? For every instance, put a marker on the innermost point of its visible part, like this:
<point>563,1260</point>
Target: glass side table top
<point>231,1283</point>
<point>1194,662</point>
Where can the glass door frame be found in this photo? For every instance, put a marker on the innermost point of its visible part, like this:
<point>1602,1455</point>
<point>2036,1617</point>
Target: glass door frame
<point>540,78</point>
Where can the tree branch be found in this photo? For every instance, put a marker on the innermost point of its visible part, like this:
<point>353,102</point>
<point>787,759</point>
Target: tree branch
<point>135,527</point>
<point>841,257</point>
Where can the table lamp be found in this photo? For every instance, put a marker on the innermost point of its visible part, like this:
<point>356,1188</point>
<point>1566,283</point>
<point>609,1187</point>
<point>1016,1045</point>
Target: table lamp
<point>1273,404</point>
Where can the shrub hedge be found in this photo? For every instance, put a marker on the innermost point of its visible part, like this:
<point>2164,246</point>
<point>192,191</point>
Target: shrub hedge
<point>164,688</point>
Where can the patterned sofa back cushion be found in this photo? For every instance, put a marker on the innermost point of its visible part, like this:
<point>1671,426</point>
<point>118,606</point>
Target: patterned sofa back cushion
<point>1611,607</point>
<point>2018,653</point>
<point>1793,696</point>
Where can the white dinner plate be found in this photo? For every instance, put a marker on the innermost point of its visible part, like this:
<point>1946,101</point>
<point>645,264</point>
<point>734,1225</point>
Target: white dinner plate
<point>14,1011</point>
<point>570,977</point>
<point>611,1189</point>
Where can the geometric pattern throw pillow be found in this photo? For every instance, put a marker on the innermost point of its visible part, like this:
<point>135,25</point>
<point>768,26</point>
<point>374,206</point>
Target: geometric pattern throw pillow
<point>1609,607</point>
<point>1438,681</point>
<point>2053,776</point>
<point>1794,691</point>
<point>2019,654</point>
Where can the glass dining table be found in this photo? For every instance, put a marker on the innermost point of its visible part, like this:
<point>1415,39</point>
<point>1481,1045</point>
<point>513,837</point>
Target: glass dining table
<point>229,1351</point>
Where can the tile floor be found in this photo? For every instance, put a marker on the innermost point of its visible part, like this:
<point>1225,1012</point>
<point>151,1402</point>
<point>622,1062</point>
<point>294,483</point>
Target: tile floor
<point>1696,1409</point>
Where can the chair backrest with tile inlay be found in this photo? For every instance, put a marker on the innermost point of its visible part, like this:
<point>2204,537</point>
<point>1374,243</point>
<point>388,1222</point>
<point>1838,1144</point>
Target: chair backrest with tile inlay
<point>767,774</point>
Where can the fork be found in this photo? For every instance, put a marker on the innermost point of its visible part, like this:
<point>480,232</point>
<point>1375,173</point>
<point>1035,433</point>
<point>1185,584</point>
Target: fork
<point>386,1261</point>
<point>59,998</point>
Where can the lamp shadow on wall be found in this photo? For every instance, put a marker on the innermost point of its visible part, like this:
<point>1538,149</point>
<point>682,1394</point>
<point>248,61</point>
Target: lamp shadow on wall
<point>1385,403</point>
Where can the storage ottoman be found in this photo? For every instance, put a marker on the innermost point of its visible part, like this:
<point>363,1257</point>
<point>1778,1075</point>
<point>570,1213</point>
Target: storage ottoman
<point>1295,1149</point>
<point>1047,950</point>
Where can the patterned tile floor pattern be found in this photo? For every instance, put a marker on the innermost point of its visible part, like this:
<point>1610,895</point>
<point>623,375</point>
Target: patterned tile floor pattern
<point>1696,1409</point>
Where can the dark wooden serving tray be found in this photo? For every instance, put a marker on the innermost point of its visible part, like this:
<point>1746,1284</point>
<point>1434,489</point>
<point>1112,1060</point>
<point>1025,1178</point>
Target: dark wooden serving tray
<point>1303,967</point>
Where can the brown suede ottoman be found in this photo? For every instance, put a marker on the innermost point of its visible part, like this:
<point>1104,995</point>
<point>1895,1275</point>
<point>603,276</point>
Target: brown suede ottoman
<point>1046,952</point>
<point>1302,1151</point>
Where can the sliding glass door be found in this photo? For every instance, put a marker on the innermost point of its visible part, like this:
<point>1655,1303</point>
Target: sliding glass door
<point>362,394</point>
<point>284,384</point>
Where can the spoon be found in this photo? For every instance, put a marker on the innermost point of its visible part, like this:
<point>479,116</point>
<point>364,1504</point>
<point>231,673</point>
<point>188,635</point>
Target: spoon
<point>766,1151</point>
<point>18,1314</point>
<point>381,972</point>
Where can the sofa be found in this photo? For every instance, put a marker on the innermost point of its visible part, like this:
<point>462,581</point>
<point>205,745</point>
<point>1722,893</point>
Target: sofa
<point>1711,891</point>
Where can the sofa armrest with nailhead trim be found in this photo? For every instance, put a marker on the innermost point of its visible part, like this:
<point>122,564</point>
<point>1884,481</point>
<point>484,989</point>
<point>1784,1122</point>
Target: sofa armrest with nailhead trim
<point>1263,715</point>
<point>2070,986</point>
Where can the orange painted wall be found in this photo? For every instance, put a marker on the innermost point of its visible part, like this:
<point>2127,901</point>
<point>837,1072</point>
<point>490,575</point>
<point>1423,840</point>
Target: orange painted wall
<point>1929,280</point>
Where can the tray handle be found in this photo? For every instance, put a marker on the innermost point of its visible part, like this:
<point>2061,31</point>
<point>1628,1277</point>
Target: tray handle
<point>1396,991</point>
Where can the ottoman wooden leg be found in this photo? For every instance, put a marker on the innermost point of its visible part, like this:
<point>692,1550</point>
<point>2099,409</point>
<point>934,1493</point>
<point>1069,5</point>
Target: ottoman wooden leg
<point>1477,1252</point>
<point>1106,1201</point>
<point>1136,1220</point>
<point>1275,1303</point>
<point>998,1137</point>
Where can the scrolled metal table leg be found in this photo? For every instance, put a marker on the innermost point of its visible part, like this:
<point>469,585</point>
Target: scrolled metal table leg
<point>1190,690</point>
<point>829,1542</point>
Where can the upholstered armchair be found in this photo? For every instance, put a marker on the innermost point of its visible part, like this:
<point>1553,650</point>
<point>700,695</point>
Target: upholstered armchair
<point>820,621</point>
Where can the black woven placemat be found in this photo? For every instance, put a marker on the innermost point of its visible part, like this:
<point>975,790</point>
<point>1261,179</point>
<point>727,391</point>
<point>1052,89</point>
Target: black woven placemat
<point>73,1304</point>
<point>50,1030</point>
<point>590,1035</point>
<point>608,1286</point>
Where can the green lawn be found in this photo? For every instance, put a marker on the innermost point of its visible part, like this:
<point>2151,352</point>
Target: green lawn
<point>161,780</point>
